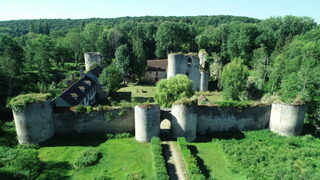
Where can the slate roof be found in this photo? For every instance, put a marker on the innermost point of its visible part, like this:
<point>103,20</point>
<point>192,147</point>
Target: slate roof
<point>157,65</point>
<point>79,90</point>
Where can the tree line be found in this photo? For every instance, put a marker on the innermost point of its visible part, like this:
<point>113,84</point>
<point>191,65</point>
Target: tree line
<point>266,53</point>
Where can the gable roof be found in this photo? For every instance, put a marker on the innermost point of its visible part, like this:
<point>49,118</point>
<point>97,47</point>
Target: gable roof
<point>79,90</point>
<point>157,65</point>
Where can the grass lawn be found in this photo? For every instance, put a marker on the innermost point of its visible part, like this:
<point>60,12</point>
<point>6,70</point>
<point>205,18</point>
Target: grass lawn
<point>214,96</point>
<point>145,91</point>
<point>121,159</point>
<point>259,155</point>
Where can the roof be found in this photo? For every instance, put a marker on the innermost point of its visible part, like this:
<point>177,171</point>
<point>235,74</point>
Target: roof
<point>157,65</point>
<point>78,90</point>
<point>96,71</point>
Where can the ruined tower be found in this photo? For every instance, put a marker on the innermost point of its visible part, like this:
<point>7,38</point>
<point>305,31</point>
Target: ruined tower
<point>92,58</point>
<point>189,65</point>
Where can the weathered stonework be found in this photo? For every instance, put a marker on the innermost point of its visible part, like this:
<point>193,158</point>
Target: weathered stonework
<point>286,119</point>
<point>184,121</point>
<point>147,122</point>
<point>34,123</point>
<point>91,58</point>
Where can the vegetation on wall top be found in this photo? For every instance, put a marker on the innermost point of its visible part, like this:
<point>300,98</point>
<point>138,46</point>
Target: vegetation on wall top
<point>19,102</point>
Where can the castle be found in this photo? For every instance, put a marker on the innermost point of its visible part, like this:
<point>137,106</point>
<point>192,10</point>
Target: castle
<point>40,121</point>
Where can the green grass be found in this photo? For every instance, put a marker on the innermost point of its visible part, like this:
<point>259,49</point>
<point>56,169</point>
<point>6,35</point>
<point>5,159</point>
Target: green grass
<point>261,155</point>
<point>119,159</point>
<point>214,97</point>
<point>139,91</point>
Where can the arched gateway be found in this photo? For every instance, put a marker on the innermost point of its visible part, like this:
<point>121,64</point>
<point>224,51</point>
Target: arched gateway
<point>151,121</point>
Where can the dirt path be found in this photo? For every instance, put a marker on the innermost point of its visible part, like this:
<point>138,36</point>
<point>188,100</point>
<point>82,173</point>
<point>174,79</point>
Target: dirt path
<point>173,160</point>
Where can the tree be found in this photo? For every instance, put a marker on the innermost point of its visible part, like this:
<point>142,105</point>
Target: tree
<point>74,41</point>
<point>111,78</point>
<point>233,79</point>
<point>174,37</point>
<point>170,90</point>
<point>91,34</point>
<point>40,52</point>
<point>11,58</point>
<point>123,60</point>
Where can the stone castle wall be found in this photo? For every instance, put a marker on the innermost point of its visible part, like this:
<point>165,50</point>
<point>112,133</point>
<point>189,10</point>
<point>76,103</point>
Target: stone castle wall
<point>214,118</point>
<point>111,121</point>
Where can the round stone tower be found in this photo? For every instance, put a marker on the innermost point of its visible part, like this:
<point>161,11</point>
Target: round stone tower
<point>91,58</point>
<point>204,76</point>
<point>34,123</point>
<point>184,120</point>
<point>204,81</point>
<point>176,64</point>
<point>286,119</point>
<point>147,122</point>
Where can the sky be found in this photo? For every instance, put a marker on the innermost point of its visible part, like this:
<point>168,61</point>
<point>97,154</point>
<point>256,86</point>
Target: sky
<point>78,9</point>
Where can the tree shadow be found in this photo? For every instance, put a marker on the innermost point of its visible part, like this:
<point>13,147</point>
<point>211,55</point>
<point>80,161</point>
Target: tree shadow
<point>75,139</point>
<point>220,135</point>
<point>171,169</point>
<point>203,168</point>
<point>310,129</point>
<point>55,171</point>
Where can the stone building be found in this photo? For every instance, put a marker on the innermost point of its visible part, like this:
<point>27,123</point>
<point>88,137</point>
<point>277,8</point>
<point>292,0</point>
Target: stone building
<point>156,70</point>
<point>191,65</point>
<point>82,92</point>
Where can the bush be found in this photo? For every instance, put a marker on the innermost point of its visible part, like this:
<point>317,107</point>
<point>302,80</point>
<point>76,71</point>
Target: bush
<point>190,161</point>
<point>234,79</point>
<point>159,167</point>
<point>118,136</point>
<point>28,146</point>
<point>88,157</point>
<point>80,109</point>
<point>19,102</point>
<point>170,90</point>
<point>27,163</point>
<point>136,175</point>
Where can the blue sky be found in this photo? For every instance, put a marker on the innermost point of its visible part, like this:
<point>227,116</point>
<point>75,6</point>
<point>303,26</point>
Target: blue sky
<point>50,9</point>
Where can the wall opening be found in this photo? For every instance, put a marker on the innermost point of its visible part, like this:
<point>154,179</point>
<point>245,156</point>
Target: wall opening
<point>165,130</point>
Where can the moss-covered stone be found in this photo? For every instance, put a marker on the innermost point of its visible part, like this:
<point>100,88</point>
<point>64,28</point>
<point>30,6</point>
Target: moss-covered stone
<point>19,102</point>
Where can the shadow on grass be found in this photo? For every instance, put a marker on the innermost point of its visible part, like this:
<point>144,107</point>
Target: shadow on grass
<point>75,140</point>
<point>55,171</point>
<point>310,129</point>
<point>171,169</point>
<point>203,168</point>
<point>221,135</point>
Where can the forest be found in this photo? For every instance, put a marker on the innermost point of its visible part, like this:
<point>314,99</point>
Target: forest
<point>276,57</point>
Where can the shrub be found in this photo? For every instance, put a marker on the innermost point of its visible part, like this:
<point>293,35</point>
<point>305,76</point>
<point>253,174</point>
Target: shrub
<point>159,167</point>
<point>81,109</point>
<point>27,163</point>
<point>19,102</point>
<point>136,175</point>
<point>89,109</point>
<point>190,161</point>
<point>118,136</point>
<point>234,79</point>
<point>28,146</point>
<point>88,157</point>
<point>170,90</point>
